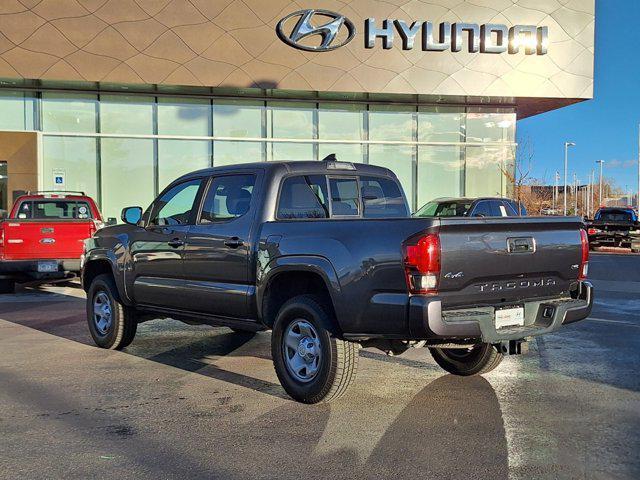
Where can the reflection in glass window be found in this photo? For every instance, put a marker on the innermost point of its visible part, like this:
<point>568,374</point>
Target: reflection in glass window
<point>488,171</point>
<point>440,172</point>
<point>175,205</point>
<point>441,124</point>
<point>399,159</point>
<point>391,123</point>
<point>290,120</point>
<point>349,152</point>
<point>237,118</point>
<point>177,157</point>
<point>233,153</point>
<point>228,197</point>
<point>286,152</point>
<point>64,112</point>
<point>491,125</point>
<point>344,196</point>
<point>126,114</point>
<point>304,197</point>
<point>341,122</point>
<point>73,157</point>
<point>127,174</point>
<point>184,116</point>
<point>17,110</point>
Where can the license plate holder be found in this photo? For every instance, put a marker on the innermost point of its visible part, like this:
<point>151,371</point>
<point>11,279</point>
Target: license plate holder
<point>47,267</point>
<point>509,317</point>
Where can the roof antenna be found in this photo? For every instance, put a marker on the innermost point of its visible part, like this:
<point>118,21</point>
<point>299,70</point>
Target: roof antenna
<point>330,158</point>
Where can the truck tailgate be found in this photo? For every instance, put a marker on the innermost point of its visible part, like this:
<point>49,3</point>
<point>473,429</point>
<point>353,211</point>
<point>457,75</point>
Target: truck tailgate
<point>33,239</point>
<point>505,260</point>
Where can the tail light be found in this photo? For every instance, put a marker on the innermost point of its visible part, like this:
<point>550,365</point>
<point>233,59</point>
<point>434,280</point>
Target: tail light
<point>422,264</point>
<point>97,225</point>
<point>593,231</point>
<point>584,261</point>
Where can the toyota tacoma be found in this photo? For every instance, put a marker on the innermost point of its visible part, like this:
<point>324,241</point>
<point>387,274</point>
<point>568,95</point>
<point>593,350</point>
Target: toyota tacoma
<point>327,256</point>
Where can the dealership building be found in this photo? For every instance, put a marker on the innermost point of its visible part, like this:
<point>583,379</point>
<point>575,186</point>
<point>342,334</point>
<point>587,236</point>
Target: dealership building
<point>117,98</point>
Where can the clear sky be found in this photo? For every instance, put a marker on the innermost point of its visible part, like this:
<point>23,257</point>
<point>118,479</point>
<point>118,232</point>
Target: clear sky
<point>605,128</point>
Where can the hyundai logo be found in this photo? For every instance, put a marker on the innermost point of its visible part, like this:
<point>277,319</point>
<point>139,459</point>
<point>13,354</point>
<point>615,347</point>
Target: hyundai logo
<point>330,31</point>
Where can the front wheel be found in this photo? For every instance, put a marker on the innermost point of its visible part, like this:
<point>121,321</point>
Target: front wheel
<point>312,364</point>
<point>112,324</point>
<point>479,359</point>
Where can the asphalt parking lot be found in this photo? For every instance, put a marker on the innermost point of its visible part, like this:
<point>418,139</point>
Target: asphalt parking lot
<point>197,402</point>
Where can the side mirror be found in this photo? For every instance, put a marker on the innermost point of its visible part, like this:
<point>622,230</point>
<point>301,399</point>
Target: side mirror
<point>131,215</point>
<point>111,221</point>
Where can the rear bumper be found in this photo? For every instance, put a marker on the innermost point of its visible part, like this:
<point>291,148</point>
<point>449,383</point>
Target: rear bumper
<point>613,238</point>
<point>427,320</point>
<point>24,270</point>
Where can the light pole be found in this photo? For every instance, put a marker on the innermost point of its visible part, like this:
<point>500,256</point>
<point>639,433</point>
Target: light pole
<point>566,164</point>
<point>575,194</point>
<point>593,180</point>
<point>555,193</point>
<point>638,199</point>
<point>601,162</point>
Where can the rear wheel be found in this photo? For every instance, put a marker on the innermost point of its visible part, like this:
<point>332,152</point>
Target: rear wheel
<point>112,324</point>
<point>7,286</point>
<point>311,363</point>
<point>479,359</point>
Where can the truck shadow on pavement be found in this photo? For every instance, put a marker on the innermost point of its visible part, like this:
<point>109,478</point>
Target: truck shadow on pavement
<point>452,428</point>
<point>195,349</point>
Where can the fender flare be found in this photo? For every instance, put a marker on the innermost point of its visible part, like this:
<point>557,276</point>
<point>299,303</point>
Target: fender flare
<point>106,255</point>
<point>300,263</point>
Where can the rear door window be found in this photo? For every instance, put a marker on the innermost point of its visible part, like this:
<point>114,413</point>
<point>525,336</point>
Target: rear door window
<point>345,199</point>
<point>304,197</point>
<point>382,198</point>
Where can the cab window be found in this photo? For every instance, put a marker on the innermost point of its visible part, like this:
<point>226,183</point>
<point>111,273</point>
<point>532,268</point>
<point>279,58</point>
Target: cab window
<point>382,198</point>
<point>345,199</point>
<point>174,207</point>
<point>50,208</point>
<point>227,197</point>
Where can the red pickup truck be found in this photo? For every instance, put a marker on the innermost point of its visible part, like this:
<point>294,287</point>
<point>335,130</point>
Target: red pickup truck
<point>42,239</point>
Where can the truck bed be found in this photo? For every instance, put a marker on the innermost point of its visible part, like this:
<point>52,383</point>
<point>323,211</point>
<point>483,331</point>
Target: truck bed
<point>485,261</point>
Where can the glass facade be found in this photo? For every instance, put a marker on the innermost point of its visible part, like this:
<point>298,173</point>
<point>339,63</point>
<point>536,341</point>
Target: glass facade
<point>123,149</point>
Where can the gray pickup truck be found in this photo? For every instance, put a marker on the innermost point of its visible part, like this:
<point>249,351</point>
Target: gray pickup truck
<point>327,256</point>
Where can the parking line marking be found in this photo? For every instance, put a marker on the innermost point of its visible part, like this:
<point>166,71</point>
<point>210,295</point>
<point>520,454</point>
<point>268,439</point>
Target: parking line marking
<point>606,320</point>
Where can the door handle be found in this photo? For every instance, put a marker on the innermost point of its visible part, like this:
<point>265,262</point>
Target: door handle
<point>234,242</point>
<point>175,243</point>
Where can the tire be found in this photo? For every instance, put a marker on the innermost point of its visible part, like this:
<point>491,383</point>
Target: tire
<point>481,358</point>
<point>7,286</point>
<point>116,327</point>
<point>328,365</point>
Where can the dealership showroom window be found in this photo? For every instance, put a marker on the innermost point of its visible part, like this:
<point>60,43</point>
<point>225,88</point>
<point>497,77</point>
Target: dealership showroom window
<point>123,149</point>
